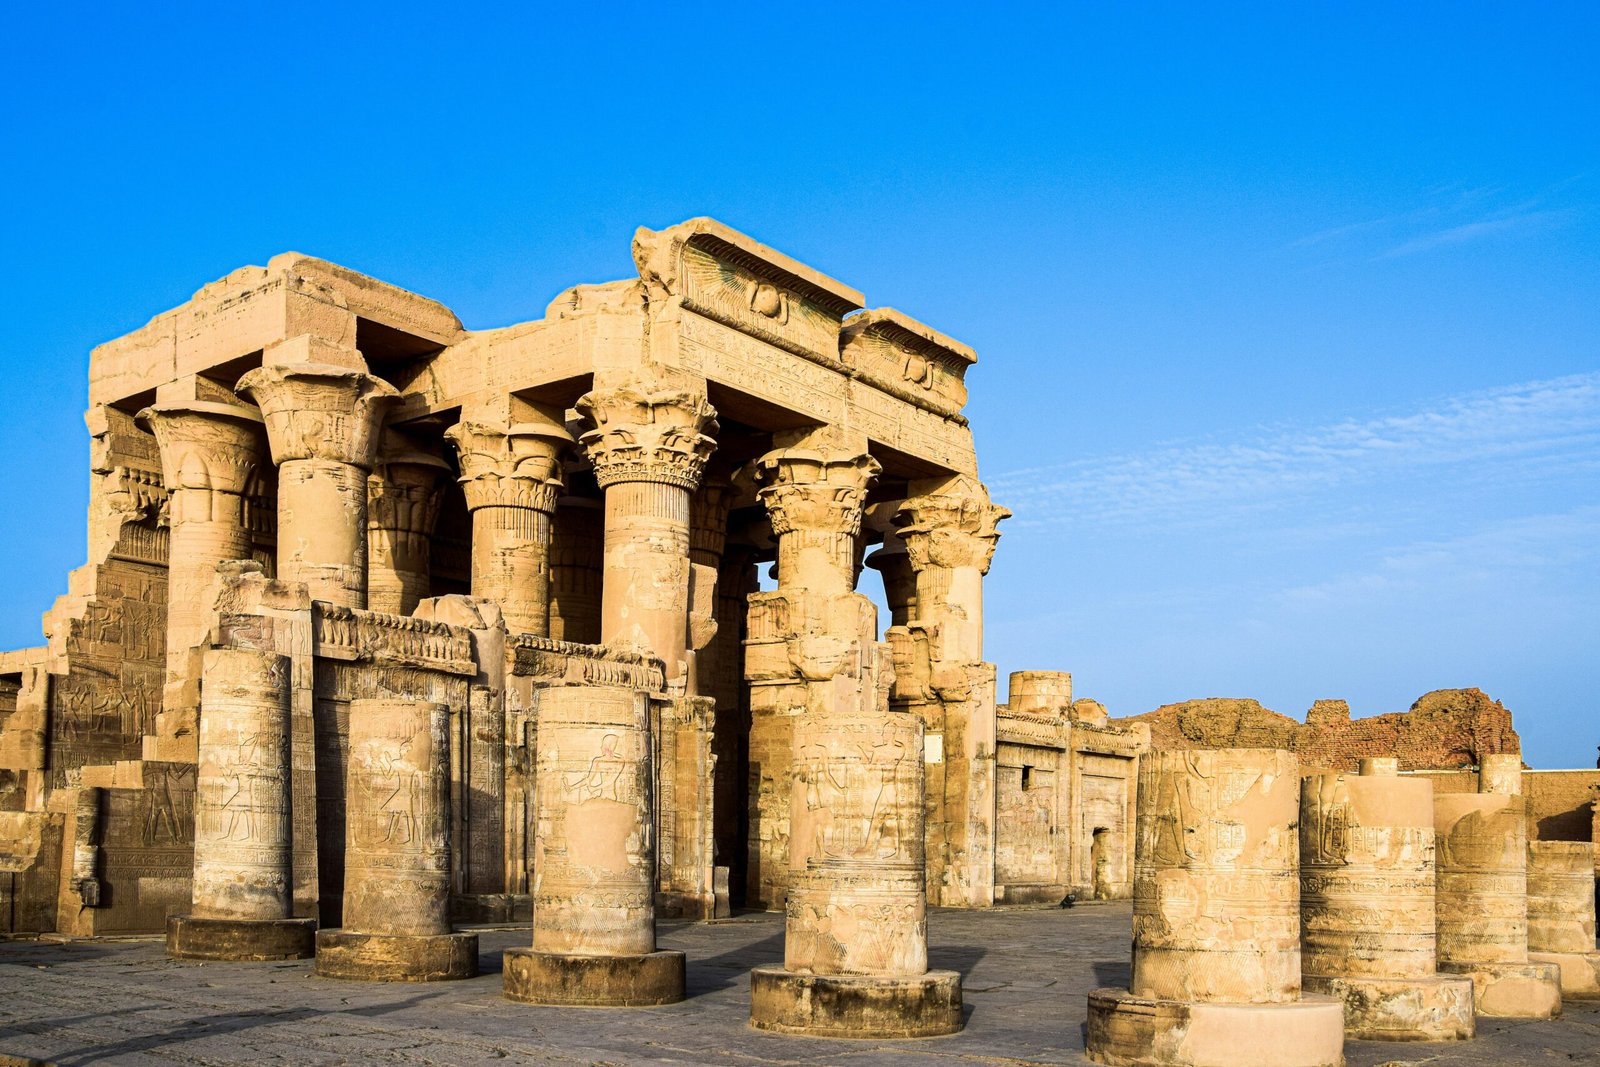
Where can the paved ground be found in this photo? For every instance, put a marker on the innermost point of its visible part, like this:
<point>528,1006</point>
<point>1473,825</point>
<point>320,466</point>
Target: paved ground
<point>1027,971</point>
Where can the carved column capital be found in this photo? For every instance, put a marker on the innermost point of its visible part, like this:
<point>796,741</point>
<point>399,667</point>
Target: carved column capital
<point>956,527</point>
<point>516,466</point>
<point>210,447</point>
<point>320,411</point>
<point>638,436</point>
<point>806,490</point>
<point>403,491</point>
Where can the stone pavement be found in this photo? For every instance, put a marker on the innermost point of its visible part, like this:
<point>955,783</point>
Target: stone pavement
<point>1027,970</point>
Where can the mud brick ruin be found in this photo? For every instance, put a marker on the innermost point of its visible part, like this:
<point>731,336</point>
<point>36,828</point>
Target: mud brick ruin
<point>389,626</point>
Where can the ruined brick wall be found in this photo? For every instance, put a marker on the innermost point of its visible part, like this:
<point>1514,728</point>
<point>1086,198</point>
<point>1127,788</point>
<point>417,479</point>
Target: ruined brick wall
<point>1443,729</point>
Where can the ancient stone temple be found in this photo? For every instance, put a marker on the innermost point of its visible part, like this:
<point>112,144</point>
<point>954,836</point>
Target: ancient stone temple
<point>346,557</point>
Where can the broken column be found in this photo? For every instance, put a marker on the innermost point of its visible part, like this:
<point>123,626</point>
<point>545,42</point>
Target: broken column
<point>1482,895</point>
<point>594,933</point>
<point>243,894</point>
<point>1561,913</point>
<point>1367,906</point>
<point>855,936</point>
<point>397,851</point>
<point>511,476</point>
<point>323,422</point>
<point>1216,923</point>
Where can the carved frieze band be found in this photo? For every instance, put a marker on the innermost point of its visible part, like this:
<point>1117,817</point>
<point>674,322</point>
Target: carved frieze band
<point>571,663</point>
<point>390,640</point>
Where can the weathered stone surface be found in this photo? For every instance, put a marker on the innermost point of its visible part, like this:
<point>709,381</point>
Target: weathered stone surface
<point>1367,906</point>
<point>397,851</point>
<point>1482,898</point>
<point>1216,922</point>
<point>1561,913</point>
<point>830,1005</point>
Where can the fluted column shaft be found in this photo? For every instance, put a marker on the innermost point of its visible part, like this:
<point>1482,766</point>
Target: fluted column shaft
<point>323,423</point>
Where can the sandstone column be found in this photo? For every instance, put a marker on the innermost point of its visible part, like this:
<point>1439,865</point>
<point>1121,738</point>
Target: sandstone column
<point>1482,895</point>
<point>397,851</point>
<point>402,504</point>
<point>323,423</point>
<point>1367,906</point>
<point>649,450</point>
<point>849,786</point>
<point>576,567</point>
<point>1216,923</point>
<point>594,935</point>
<point>209,453</point>
<point>950,530</point>
<point>243,893</point>
<point>511,475</point>
<point>807,637</point>
<point>1561,913</point>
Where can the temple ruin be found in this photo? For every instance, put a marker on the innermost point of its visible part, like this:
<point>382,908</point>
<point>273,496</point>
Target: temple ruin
<point>390,627</point>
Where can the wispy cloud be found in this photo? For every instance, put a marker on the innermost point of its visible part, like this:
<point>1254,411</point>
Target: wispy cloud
<point>1519,434</point>
<point>1446,216</point>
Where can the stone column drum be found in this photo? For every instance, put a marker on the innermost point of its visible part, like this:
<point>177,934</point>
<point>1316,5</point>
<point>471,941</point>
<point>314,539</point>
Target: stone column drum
<point>1367,907</point>
<point>594,932</point>
<point>397,851</point>
<point>1481,895</point>
<point>323,423</point>
<point>1561,913</point>
<point>856,936</point>
<point>243,893</point>
<point>1216,923</point>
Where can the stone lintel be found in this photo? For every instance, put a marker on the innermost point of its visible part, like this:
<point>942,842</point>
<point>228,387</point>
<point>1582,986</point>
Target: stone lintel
<point>659,256</point>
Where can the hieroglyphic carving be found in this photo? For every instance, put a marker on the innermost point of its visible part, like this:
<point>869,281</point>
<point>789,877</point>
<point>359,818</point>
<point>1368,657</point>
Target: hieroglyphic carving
<point>1215,855</point>
<point>393,640</point>
<point>594,866</point>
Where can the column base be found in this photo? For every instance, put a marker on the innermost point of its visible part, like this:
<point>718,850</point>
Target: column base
<point>533,977</point>
<point>1580,972</point>
<point>1434,1008</point>
<point>396,957</point>
<point>835,1005</point>
<point>1512,990</point>
<point>191,937</point>
<point>1130,1031</point>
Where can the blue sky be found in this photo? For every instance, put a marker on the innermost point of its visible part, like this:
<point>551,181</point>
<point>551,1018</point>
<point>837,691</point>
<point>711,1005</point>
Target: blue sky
<point>1288,315</point>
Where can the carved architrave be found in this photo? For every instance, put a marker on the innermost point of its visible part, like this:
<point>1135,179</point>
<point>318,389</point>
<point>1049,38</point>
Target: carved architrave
<point>517,466</point>
<point>957,527</point>
<point>639,436</point>
<point>320,411</point>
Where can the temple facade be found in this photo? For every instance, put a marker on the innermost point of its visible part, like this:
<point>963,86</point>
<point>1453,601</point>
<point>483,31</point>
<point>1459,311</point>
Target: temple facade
<point>329,472</point>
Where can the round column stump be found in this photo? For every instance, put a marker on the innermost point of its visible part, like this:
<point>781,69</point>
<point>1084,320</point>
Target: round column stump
<point>855,1006</point>
<point>191,937</point>
<point>642,981</point>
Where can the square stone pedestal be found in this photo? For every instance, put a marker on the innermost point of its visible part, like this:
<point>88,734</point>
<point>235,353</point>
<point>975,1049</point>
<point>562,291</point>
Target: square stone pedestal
<point>1130,1031</point>
<point>1402,1009</point>
<point>1512,990</point>
<point>396,957</point>
<point>823,1005</point>
<point>642,981</point>
<point>192,938</point>
<point>1580,972</point>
